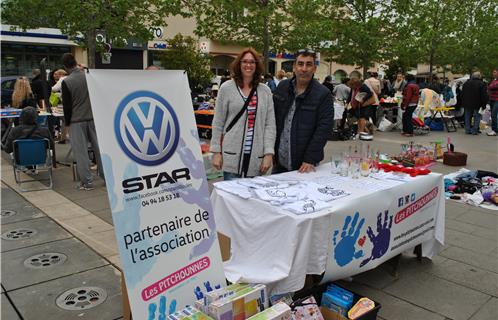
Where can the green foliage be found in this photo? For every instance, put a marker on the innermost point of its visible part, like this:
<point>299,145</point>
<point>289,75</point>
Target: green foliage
<point>363,30</point>
<point>119,19</point>
<point>184,55</point>
<point>476,43</point>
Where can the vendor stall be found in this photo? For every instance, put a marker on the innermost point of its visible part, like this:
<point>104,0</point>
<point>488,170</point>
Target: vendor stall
<point>349,226</point>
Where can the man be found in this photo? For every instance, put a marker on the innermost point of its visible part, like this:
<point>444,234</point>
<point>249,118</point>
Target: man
<point>304,115</point>
<point>493,102</point>
<point>474,97</point>
<point>399,84</point>
<point>79,118</point>
<point>37,87</point>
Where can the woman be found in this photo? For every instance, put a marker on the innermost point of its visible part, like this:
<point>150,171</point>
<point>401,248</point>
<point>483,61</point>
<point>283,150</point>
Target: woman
<point>243,136</point>
<point>361,99</point>
<point>23,95</point>
<point>409,104</point>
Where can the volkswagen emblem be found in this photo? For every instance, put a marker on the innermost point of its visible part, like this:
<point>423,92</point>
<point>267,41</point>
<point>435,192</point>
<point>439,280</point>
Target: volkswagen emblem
<point>146,128</point>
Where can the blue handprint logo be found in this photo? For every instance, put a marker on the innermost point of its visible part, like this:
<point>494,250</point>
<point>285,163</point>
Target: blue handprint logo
<point>162,309</point>
<point>345,250</point>
<point>382,239</point>
<point>198,291</point>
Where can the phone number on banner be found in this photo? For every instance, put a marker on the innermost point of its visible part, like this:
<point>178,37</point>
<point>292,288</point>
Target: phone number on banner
<point>159,199</point>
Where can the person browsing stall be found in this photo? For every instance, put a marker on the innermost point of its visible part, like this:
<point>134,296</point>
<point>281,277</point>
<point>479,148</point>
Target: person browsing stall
<point>304,115</point>
<point>79,118</point>
<point>361,99</point>
<point>243,133</point>
<point>409,104</point>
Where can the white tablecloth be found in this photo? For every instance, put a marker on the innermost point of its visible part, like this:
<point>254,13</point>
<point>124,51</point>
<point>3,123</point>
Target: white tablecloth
<point>273,246</point>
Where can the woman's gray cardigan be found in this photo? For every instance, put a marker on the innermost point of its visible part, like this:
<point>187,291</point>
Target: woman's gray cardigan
<point>229,102</point>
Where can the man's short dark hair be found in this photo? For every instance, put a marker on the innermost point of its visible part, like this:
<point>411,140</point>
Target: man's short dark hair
<point>68,61</point>
<point>345,80</point>
<point>305,53</point>
<point>409,77</point>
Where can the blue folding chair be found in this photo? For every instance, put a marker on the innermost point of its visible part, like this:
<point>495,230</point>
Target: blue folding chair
<point>32,153</point>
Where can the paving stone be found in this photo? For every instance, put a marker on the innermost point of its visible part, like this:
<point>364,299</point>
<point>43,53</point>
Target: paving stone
<point>96,203</point>
<point>24,211</point>
<point>460,226</point>
<point>468,241</point>
<point>468,276</point>
<point>47,231</point>
<point>491,234</point>
<point>61,212</point>
<point>438,295</point>
<point>479,218</point>
<point>392,308</point>
<point>377,278</point>
<point>488,312</point>
<point>40,299</point>
<point>455,210</point>
<point>476,259</point>
<point>9,196</point>
<point>79,258</point>
<point>8,311</point>
<point>105,215</point>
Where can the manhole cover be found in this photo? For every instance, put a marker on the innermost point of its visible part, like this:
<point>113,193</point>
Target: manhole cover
<point>45,260</point>
<point>81,298</point>
<point>7,213</point>
<point>18,234</point>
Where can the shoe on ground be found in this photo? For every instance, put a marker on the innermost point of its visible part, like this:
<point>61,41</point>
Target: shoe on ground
<point>491,133</point>
<point>366,137</point>
<point>85,186</point>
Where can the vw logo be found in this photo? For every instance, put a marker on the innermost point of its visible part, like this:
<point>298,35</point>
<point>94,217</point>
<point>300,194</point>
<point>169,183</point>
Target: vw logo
<point>146,128</point>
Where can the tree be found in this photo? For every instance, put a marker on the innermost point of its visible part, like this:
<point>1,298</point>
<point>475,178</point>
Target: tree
<point>475,46</point>
<point>81,20</point>
<point>257,23</point>
<point>361,31</point>
<point>184,55</point>
<point>428,30</point>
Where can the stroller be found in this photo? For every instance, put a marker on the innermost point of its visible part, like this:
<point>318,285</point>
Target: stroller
<point>345,123</point>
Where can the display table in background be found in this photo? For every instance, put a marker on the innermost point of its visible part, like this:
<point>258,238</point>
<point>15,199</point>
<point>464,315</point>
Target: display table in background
<point>380,219</point>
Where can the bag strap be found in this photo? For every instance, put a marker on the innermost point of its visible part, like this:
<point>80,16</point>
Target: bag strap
<point>241,112</point>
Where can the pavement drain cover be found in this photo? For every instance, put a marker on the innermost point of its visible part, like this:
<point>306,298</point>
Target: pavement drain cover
<point>81,298</point>
<point>7,213</point>
<point>45,260</point>
<point>18,234</point>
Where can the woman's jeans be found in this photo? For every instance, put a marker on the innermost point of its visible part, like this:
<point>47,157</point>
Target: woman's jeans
<point>407,119</point>
<point>472,113</point>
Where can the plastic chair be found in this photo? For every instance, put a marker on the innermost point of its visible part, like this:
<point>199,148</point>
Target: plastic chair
<point>34,153</point>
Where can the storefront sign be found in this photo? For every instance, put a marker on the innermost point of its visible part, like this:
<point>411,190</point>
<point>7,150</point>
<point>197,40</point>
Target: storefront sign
<point>157,45</point>
<point>157,188</point>
<point>375,230</point>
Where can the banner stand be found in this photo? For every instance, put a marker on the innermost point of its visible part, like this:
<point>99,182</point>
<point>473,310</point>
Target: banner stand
<point>224,243</point>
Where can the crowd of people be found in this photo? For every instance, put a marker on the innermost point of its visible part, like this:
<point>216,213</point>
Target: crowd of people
<point>261,121</point>
<point>304,112</point>
<point>67,88</point>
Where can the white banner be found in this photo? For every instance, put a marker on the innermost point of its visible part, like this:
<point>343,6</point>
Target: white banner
<point>157,188</point>
<point>368,233</point>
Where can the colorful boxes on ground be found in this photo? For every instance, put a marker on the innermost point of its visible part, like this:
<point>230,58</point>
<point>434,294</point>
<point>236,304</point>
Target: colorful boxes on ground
<point>189,313</point>
<point>337,299</point>
<point>235,302</point>
<point>279,311</point>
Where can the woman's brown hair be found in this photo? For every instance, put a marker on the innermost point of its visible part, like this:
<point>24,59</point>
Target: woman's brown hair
<point>354,83</point>
<point>237,73</point>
